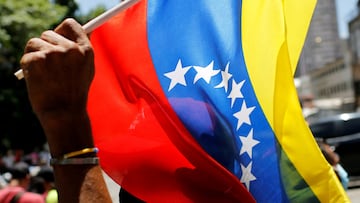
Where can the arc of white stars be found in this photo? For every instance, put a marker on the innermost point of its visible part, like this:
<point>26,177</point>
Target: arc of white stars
<point>205,72</point>
<point>248,143</point>
<point>178,75</point>
<point>225,75</point>
<point>235,92</point>
<point>243,115</point>
<point>247,176</point>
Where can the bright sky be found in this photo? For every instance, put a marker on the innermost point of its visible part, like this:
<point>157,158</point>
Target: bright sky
<point>86,5</point>
<point>346,9</point>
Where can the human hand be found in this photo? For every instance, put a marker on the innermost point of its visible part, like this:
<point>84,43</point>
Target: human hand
<point>58,68</point>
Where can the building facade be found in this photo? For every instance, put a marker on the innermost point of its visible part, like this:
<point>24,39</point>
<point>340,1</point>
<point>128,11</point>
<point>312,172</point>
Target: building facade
<point>322,44</point>
<point>333,86</point>
<point>327,63</point>
<point>354,44</point>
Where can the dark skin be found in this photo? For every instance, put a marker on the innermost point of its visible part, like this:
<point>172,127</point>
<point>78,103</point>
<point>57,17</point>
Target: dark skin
<point>58,69</point>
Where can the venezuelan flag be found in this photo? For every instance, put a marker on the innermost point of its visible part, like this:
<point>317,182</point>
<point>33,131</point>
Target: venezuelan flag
<point>194,101</point>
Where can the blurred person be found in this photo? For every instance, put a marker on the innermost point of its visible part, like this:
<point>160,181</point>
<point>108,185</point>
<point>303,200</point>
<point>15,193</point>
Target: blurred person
<point>16,190</point>
<point>19,155</point>
<point>3,170</point>
<point>37,185</point>
<point>9,159</point>
<point>44,155</point>
<point>334,160</point>
<point>3,182</point>
<point>50,194</point>
<point>32,158</point>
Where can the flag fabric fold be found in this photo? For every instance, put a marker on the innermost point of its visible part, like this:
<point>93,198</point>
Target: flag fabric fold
<point>195,102</point>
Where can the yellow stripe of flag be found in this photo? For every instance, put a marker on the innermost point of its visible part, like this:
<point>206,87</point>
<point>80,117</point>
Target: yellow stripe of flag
<point>273,35</point>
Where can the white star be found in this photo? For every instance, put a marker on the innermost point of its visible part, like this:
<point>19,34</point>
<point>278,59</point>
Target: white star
<point>225,78</point>
<point>248,143</point>
<point>205,72</point>
<point>236,91</point>
<point>178,75</point>
<point>243,115</point>
<point>247,176</point>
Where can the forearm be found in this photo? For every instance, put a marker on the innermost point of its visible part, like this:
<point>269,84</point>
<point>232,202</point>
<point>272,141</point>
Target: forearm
<point>68,132</point>
<point>82,183</point>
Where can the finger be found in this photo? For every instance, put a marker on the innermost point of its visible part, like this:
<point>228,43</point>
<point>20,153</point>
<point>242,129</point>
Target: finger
<point>55,38</point>
<point>72,30</point>
<point>37,44</point>
<point>29,60</point>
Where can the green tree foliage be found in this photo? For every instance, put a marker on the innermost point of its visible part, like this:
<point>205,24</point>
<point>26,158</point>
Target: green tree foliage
<point>19,21</point>
<point>71,5</point>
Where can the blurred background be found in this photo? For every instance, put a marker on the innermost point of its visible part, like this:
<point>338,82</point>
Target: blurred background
<point>328,81</point>
<point>327,77</point>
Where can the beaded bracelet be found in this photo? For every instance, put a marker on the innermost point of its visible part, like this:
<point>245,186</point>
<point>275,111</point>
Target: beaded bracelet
<point>75,161</point>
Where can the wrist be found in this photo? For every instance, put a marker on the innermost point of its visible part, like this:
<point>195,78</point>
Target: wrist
<point>67,131</point>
